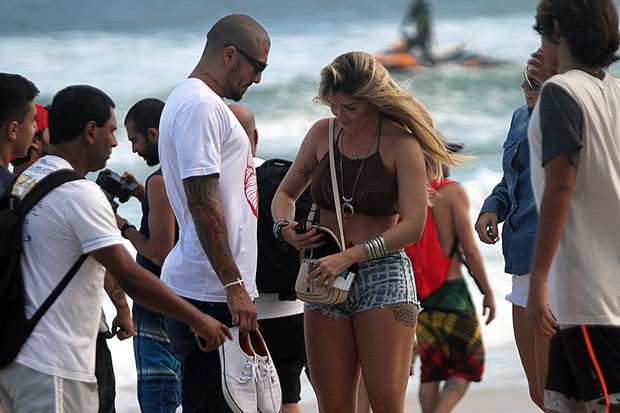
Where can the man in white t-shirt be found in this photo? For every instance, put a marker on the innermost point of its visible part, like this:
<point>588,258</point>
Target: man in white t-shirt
<point>54,370</point>
<point>211,184</point>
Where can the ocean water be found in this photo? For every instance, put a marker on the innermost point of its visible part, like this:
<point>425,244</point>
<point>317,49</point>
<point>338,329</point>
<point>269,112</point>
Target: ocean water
<point>136,49</point>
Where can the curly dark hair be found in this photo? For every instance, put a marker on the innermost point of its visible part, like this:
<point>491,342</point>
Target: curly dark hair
<point>590,27</point>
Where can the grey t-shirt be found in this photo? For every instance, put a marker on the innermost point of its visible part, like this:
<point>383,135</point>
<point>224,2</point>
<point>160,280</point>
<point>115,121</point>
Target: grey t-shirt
<point>561,123</point>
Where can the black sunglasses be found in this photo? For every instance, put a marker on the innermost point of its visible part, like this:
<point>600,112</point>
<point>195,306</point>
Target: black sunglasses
<point>257,65</point>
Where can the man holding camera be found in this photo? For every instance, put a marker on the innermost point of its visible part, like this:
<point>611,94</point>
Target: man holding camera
<point>158,369</point>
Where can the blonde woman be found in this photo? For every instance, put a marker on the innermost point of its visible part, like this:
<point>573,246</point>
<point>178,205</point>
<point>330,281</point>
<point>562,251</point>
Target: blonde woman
<point>381,136</point>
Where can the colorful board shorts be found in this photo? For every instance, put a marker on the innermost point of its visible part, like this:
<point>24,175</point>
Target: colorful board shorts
<point>158,369</point>
<point>450,340</point>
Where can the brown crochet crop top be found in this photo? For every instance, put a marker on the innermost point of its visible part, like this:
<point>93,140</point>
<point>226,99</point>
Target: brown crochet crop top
<point>376,192</point>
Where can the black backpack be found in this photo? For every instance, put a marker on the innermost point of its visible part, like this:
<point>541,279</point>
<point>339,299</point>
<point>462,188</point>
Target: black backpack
<point>15,328</point>
<point>278,263</point>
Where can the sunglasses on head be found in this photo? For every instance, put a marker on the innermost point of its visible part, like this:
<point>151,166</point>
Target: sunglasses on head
<point>257,65</point>
<point>532,84</point>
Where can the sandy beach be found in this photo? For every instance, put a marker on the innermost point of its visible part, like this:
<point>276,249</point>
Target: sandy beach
<point>480,398</point>
<point>477,400</point>
<point>503,389</point>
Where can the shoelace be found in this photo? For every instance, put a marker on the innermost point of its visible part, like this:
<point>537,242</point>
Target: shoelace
<point>269,375</point>
<point>249,371</point>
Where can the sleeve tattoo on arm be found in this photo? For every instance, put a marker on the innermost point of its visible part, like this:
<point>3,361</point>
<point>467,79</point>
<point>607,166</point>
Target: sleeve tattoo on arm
<point>210,224</point>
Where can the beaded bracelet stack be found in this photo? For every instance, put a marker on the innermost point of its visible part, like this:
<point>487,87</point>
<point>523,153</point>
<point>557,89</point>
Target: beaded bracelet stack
<point>376,247</point>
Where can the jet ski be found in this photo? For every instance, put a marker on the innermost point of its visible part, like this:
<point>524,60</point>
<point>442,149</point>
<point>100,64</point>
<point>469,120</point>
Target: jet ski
<point>398,57</point>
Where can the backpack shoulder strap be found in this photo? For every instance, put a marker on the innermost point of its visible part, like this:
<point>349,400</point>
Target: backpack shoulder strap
<point>58,289</point>
<point>44,186</point>
<point>39,190</point>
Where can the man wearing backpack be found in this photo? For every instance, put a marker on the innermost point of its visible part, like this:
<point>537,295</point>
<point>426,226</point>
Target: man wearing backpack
<point>54,370</point>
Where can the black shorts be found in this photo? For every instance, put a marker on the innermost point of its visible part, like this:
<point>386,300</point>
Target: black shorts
<point>583,367</point>
<point>285,339</point>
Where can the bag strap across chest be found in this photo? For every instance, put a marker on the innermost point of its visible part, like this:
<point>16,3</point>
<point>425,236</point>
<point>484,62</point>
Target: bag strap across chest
<point>332,170</point>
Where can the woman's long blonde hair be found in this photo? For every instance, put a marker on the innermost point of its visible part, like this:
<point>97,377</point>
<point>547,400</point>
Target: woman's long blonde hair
<point>360,76</point>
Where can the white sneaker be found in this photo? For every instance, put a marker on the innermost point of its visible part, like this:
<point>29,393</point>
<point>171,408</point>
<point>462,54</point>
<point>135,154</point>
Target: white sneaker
<point>268,391</point>
<point>239,374</point>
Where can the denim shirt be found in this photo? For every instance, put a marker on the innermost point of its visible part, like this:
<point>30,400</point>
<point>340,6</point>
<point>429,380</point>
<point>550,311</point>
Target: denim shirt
<point>512,200</point>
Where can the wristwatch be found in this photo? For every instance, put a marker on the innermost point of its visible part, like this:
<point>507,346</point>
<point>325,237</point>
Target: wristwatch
<point>124,229</point>
<point>277,227</point>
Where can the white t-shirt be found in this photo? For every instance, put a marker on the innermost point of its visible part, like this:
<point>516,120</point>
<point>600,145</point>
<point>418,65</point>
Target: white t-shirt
<point>198,136</point>
<point>73,219</point>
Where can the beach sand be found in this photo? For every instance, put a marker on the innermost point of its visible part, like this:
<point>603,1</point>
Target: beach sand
<point>477,400</point>
<point>480,398</point>
<point>503,389</point>
<point>503,386</point>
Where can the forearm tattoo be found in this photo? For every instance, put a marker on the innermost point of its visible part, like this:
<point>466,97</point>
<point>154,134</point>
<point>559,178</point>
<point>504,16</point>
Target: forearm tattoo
<point>406,312</point>
<point>210,225</point>
<point>306,172</point>
<point>117,296</point>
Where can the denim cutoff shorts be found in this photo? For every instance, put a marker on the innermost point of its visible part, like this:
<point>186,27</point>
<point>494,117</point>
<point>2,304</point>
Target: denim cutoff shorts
<point>385,281</point>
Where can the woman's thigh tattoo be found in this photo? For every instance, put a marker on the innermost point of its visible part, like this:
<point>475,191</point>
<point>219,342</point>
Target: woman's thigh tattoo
<point>406,312</point>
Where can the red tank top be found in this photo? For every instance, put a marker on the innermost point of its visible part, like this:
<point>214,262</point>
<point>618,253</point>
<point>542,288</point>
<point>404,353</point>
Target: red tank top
<point>430,265</point>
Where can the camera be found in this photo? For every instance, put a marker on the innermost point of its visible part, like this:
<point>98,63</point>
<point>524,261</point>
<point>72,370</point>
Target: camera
<point>115,187</point>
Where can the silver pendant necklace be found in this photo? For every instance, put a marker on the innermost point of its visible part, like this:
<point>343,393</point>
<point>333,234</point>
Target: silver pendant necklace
<point>347,209</point>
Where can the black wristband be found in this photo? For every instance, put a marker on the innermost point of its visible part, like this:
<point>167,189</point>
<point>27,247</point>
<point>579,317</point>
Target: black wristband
<point>125,227</point>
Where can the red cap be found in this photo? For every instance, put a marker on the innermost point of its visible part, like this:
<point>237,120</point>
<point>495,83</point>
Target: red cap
<point>41,117</point>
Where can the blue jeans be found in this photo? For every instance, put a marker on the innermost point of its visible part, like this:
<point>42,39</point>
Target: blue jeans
<point>158,369</point>
<point>201,372</point>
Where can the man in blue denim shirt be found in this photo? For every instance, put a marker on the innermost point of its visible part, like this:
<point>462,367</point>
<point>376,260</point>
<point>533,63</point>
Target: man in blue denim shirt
<point>512,202</point>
